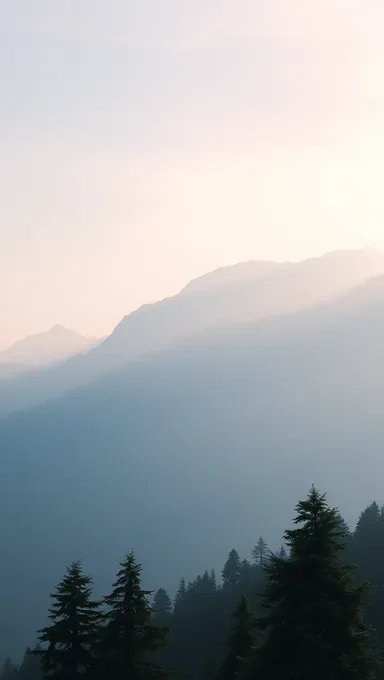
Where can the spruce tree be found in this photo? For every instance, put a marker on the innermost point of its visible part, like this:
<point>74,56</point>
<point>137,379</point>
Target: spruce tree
<point>239,643</point>
<point>180,596</point>
<point>282,552</point>
<point>130,637</point>
<point>232,569</point>
<point>367,550</point>
<point>162,608</point>
<point>260,552</point>
<point>30,668</point>
<point>67,643</point>
<point>315,628</point>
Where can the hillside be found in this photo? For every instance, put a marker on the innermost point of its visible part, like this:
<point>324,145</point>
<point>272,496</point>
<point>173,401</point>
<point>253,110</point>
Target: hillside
<point>42,349</point>
<point>12,370</point>
<point>242,294</point>
<point>233,424</point>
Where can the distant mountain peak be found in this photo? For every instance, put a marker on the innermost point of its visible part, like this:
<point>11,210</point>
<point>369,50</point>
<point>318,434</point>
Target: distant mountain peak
<point>57,344</point>
<point>59,328</point>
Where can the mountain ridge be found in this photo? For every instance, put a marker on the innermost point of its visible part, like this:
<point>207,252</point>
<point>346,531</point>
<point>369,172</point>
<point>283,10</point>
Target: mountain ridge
<point>41,349</point>
<point>159,325</point>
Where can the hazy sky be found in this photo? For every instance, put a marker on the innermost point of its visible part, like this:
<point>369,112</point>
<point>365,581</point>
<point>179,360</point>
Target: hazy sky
<point>145,142</point>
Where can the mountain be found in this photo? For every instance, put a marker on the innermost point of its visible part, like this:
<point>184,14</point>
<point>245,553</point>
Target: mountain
<point>184,453</point>
<point>244,293</point>
<point>43,349</point>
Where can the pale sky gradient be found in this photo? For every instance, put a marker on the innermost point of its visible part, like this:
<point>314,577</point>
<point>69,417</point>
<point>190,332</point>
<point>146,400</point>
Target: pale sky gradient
<point>145,142</point>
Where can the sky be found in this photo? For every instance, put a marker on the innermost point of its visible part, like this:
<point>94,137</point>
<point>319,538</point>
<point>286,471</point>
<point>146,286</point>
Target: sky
<point>147,142</point>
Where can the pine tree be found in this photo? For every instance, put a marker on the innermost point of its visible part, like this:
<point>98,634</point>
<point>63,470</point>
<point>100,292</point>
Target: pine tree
<point>75,618</point>
<point>180,595</point>
<point>30,668</point>
<point>162,608</point>
<point>232,569</point>
<point>260,552</point>
<point>239,643</point>
<point>282,553</point>
<point>366,548</point>
<point>315,628</point>
<point>130,638</point>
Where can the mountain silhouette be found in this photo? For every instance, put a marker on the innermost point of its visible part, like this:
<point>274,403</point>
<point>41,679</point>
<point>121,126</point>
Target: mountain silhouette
<point>43,349</point>
<point>241,294</point>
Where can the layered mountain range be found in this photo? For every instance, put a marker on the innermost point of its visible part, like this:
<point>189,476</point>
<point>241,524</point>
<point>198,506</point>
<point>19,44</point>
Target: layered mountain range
<point>198,422</point>
<point>245,293</point>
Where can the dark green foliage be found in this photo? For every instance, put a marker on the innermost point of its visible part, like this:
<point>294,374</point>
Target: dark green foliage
<point>180,595</point>
<point>208,672</point>
<point>130,637</point>
<point>367,550</point>
<point>162,608</point>
<point>239,643</point>
<point>196,628</point>
<point>232,569</point>
<point>67,643</point>
<point>162,616</point>
<point>315,628</point>
<point>260,552</point>
<point>30,668</point>
<point>201,644</point>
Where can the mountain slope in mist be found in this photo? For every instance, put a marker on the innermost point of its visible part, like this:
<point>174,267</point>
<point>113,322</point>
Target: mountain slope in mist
<point>185,453</point>
<point>243,293</point>
<point>43,349</point>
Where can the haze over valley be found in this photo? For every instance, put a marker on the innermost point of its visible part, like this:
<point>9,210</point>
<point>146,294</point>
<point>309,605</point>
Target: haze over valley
<point>239,391</point>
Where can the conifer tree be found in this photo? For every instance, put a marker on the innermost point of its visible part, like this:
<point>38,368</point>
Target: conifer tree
<point>260,552</point>
<point>282,553</point>
<point>232,569</point>
<point>68,641</point>
<point>180,595</point>
<point>162,608</point>
<point>239,643</point>
<point>366,549</point>
<point>130,637</point>
<point>315,628</point>
<point>30,668</point>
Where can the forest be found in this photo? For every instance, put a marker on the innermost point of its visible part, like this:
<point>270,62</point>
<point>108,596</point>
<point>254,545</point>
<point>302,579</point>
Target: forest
<point>312,610</point>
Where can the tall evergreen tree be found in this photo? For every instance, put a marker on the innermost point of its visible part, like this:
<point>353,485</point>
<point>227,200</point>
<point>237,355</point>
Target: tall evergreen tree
<point>315,625</point>
<point>239,643</point>
<point>130,637</point>
<point>30,668</point>
<point>232,569</point>
<point>67,643</point>
<point>180,595</point>
<point>260,552</point>
<point>367,550</point>
<point>162,608</point>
